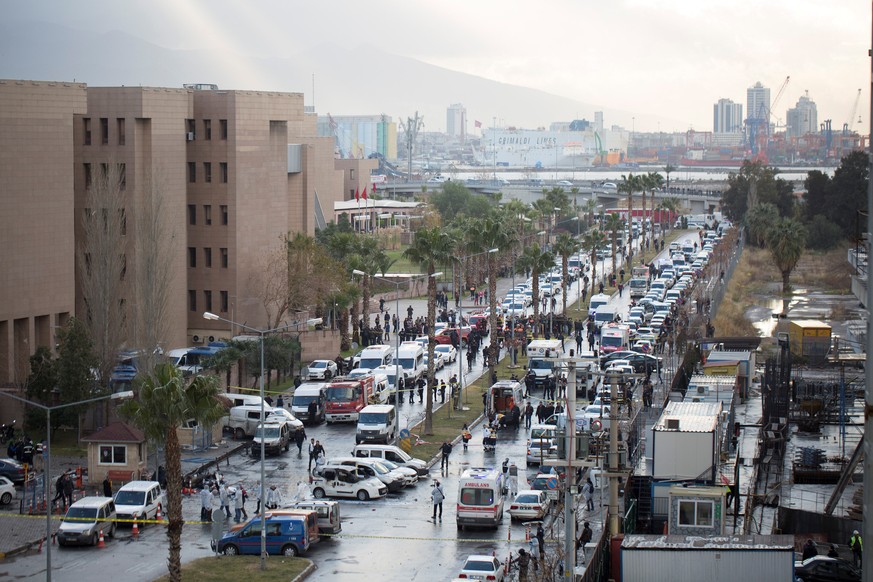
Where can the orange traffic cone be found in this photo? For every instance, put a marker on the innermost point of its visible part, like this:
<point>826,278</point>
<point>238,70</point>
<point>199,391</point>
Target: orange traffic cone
<point>158,515</point>
<point>102,542</point>
<point>41,540</point>
<point>135,531</point>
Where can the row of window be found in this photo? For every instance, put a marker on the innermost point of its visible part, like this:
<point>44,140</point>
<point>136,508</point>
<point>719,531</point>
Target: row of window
<point>207,214</point>
<point>207,172</point>
<point>120,177</point>
<point>120,133</point>
<point>104,130</point>
<point>191,128</point>
<point>207,301</point>
<point>207,257</point>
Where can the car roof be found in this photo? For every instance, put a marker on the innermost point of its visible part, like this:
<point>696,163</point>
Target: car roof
<point>138,485</point>
<point>92,501</point>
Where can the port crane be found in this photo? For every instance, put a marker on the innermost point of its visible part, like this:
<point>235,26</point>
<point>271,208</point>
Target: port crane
<point>411,127</point>
<point>848,127</point>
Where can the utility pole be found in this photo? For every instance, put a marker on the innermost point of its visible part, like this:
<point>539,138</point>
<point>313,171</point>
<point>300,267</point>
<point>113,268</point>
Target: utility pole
<point>614,474</point>
<point>570,485</point>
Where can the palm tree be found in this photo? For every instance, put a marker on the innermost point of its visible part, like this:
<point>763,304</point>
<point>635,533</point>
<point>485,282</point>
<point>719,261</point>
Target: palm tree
<point>535,260</point>
<point>614,224</point>
<point>668,169</point>
<point>629,184</point>
<point>430,248</point>
<point>372,260</point>
<point>786,240</point>
<point>164,403</point>
<point>671,205</point>
<point>651,181</point>
<point>491,234</point>
<point>544,209</point>
<point>565,246</point>
<point>591,241</point>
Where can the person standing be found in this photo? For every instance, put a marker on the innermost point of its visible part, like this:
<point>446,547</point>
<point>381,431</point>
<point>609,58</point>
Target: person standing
<point>857,545</point>
<point>466,436</point>
<point>68,489</point>
<point>205,504</point>
<point>224,496</point>
<point>584,538</point>
<point>299,439</point>
<point>528,413</point>
<point>311,453</point>
<point>541,540</point>
<point>522,560</point>
<point>437,495</point>
<point>244,496</point>
<point>833,553</point>
<point>107,487</point>
<point>235,497</point>
<point>588,494</point>
<point>274,498</point>
<point>809,550</point>
<point>446,450</point>
<point>513,479</point>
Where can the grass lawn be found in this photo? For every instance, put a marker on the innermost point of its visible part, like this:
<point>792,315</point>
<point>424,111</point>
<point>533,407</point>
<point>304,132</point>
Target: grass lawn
<point>236,568</point>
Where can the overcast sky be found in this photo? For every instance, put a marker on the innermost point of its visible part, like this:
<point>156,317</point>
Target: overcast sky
<point>671,58</point>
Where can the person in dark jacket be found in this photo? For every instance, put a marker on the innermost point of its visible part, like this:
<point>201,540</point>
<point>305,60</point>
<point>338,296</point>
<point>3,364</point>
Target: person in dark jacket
<point>107,487</point>
<point>809,550</point>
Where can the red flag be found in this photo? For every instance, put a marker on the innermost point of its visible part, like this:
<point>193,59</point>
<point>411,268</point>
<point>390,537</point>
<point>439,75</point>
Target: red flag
<point>364,192</point>
<point>357,194</point>
<point>374,188</point>
<point>477,124</point>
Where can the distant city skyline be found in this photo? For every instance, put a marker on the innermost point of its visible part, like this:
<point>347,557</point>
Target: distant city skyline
<point>662,64</point>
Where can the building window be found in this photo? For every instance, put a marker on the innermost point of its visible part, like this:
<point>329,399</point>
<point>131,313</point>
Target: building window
<point>113,455</point>
<point>207,299</point>
<point>224,259</point>
<point>192,300</point>
<point>207,257</point>
<point>88,177</point>
<point>223,167</point>
<point>192,172</point>
<point>104,130</point>
<point>87,124</point>
<point>192,257</point>
<point>223,208</point>
<point>121,136</point>
<point>696,513</point>
<point>207,171</point>
<point>222,128</point>
<point>122,177</point>
<point>189,128</point>
<point>207,214</point>
<point>192,214</point>
<point>351,174</point>
<point>224,302</point>
<point>207,129</point>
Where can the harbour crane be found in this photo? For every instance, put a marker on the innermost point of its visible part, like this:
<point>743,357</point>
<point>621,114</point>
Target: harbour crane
<point>411,127</point>
<point>848,127</point>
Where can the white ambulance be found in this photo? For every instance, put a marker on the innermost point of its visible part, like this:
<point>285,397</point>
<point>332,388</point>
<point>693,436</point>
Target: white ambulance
<point>481,496</point>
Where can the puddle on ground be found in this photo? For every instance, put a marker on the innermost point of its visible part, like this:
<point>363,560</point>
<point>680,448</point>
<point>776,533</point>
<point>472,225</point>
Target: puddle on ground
<point>801,305</point>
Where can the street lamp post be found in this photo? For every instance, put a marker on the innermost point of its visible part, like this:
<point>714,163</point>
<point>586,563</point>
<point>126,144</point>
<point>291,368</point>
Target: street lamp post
<point>261,332</point>
<point>48,461</point>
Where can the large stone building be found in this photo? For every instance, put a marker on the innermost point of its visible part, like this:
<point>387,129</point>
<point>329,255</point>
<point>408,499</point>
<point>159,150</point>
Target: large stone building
<point>236,171</point>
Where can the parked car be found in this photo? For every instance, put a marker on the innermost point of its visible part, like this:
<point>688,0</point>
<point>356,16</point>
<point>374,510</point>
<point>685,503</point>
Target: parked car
<point>85,519</point>
<point>482,568</point>
<point>287,535</point>
<point>448,351</point>
<point>824,569</point>
<point>7,491</point>
<point>339,481</point>
<point>12,469</point>
<point>529,504</point>
<point>322,370</point>
<point>547,483</point>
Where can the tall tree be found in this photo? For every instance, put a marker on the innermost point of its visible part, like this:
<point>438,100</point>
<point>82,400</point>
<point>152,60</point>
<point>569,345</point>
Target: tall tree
<point>629,185</point>
<point>785,241</point>
<point>653,182</point>
<point>756,183</point>
<point>536,260</point>
<point>153,236</point>
<point>491,235</point>
<point>75,365</point>
<point>565,246</point>
<point>614,225</point>
<point>430,248</point>
<point>848,192</point>
<point>372,260</point>
<point>669,169</point>
<point>310,272</point>
<point>164,403</point>
<point>102,258</point>
<point>591,242</point>
<point>456,199</point>
<point>760,220</point>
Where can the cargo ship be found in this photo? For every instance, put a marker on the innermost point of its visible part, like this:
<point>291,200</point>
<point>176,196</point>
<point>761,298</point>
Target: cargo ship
<point>537,148</point>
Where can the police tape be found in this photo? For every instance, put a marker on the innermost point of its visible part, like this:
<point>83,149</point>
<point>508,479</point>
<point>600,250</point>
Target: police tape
<point>323,535</point>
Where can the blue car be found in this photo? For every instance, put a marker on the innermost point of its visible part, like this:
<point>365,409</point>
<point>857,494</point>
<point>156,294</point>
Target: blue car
<point>287,535</point>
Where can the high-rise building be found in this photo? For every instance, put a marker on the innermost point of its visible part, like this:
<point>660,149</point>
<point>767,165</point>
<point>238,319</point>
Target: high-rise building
<point>803,118</point>
<point>37,235</point>
<point>758,102</point>
<point>727,117</point>
<point>456,120</point>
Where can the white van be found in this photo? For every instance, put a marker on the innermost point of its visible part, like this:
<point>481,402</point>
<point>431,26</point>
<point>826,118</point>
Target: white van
<point>305,394</point>
<point>139,500</point>
<point>244,420</point>
<point>391,453</point>
<point>376,423</point>
<point>539,347</point>
<point>598,300</point>
<point>411,358</point>
<point>481,494</point>
<point>181,360</point>
<point>85,519</point>
<point>242,399</point>
<point>605,315</point>
<point>375,356</point>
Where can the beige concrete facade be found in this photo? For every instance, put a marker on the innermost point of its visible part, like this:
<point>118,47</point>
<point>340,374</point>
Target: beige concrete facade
<point>37,260</point>
<point>142,128</point>
<point>238,171</point>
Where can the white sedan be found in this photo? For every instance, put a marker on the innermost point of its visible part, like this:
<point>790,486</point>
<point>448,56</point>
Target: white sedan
<point>7,491</point>
<point>482,568</point>
<point>322,370</point>
<point>448,351</point>
<point>529,504</point>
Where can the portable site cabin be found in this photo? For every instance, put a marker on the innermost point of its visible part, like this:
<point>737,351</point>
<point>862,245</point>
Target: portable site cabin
<point>685,442</point>
<point>810,339</point>
<point>720,363</point>
<point>711,388</point>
